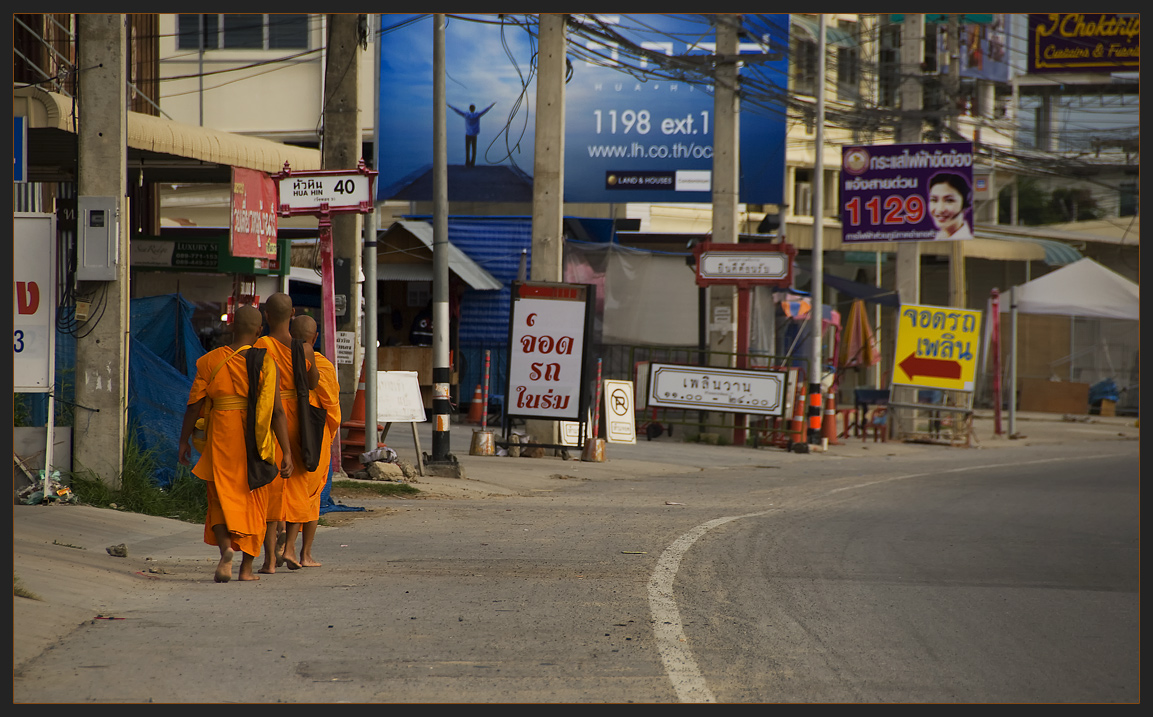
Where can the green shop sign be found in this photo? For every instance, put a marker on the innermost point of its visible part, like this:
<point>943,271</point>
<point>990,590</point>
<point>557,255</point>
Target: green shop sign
<point>202,254</point>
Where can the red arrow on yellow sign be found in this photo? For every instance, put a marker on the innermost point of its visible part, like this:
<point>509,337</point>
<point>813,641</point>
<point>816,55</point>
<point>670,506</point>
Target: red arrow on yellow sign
<point>937,368</point>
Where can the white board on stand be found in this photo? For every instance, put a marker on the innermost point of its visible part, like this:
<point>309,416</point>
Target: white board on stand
<point>398,397</point>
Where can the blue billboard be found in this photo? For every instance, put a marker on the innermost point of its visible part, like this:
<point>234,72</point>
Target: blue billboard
<point>635,131</point>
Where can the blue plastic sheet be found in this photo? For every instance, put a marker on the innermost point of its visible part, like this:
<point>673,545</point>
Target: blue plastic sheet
<point>327,504</point>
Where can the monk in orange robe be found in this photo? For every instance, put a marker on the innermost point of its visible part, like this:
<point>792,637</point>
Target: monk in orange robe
<point>236,514</point>
<point>302,498</point>
<point>278,312</point>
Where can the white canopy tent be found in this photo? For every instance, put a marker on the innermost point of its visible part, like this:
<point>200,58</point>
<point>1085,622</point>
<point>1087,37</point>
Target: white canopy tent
<point>1083,290</point>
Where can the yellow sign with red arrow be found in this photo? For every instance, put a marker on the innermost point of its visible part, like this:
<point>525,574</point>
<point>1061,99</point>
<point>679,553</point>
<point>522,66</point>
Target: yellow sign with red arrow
<point>937,347</point>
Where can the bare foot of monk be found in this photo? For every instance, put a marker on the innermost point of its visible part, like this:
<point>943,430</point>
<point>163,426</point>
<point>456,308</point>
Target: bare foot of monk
<point>267,570</point>
<point>224,567</point>
<point>292,562</point>
<point>246,569</point>
<point>281,540</point>
<point>309,562</point>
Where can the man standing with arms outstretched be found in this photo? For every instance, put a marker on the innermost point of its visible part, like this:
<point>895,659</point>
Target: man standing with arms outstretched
<point>242,416</point>
<point>278,312</point>
<point>302,498</point>
<point>471,130</point>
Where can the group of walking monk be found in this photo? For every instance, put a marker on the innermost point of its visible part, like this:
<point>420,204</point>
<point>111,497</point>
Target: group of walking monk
<point>261,493</point>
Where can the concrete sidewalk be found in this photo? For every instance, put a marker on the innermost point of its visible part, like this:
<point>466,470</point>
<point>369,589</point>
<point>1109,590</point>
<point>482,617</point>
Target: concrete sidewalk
<point>60,551</point>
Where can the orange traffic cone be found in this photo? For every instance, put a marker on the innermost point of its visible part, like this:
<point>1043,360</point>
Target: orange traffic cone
<point>829,424</point>
<point>354,442</point>
<point>476,410</point>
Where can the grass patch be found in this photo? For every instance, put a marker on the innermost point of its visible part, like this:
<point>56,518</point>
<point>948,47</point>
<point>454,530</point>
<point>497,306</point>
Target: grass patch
<point>19,590</point>
<point>362,489</point>
<point>186,499</point>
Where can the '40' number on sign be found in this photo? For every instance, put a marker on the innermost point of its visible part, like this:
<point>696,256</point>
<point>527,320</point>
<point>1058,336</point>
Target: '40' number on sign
<point>896,210</point>
<point>345,186</point>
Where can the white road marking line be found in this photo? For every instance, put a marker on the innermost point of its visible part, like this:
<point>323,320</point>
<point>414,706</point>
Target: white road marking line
<point>672,644</point>
<point>671,641</point>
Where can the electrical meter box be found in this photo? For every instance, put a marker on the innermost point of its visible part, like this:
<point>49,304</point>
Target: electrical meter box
<point>97,238</point>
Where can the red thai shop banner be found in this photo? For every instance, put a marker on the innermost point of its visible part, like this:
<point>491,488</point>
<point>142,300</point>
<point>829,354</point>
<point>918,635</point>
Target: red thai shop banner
<point>253,230</point>
<point>907,192</point>
<point>549,329</point>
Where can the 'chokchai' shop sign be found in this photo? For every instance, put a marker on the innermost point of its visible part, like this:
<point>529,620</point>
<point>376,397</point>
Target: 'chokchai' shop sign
<point>1084,42</point>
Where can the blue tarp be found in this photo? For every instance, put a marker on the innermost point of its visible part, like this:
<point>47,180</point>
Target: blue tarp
<point>157,396</point>
<point>164,325</point>
<point>161,363</point>
<point>1104,390</point>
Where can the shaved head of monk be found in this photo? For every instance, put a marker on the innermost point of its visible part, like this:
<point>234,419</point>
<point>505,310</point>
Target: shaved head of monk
<point>278,308</point>
<point>303,328</point>
<point>246,323</point>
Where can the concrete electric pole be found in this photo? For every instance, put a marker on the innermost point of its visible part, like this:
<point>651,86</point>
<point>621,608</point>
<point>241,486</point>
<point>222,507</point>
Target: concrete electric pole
<point>99,431</point>
<point>721,305</point>
<point>957,296</point>
<point>909,132</point>
<point>341,149</point>
<point>548,174</point>
<point>441,370</point>
<point>817,312</point>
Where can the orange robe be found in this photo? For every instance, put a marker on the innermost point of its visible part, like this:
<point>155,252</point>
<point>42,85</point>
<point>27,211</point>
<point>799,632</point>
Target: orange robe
<point>282,355</point>
<point>223,464</point>
<point>302,497</point>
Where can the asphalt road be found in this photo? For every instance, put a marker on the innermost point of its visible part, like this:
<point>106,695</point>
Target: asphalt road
<point>950,576</point>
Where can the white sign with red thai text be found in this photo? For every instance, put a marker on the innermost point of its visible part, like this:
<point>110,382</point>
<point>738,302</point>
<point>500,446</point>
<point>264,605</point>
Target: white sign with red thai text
<point>546,352</point>
<point>33,302</point>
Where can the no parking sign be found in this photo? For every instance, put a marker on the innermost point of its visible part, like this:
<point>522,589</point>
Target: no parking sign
<point>620,425</point>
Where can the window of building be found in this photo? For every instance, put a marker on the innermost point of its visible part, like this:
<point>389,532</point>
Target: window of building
<point>803,192</point>
<point>804,56</point>
<point>247,31</point>
<point>889,66</point>
<point>848,65</point>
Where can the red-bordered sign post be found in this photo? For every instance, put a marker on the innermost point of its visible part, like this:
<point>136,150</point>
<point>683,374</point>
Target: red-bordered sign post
<point>322,193</point>
<point>550,329</point>
<point>744,265</point>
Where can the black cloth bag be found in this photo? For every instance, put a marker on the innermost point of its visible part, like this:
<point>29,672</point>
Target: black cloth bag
<point>260,471</point>
<point>312,418</point>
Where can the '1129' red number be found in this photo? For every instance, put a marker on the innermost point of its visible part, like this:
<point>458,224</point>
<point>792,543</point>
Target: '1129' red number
<point>896,210</point>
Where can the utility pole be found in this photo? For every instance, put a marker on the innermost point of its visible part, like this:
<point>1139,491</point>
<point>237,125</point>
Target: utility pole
<point>817,312</point>
<point>909,132</point>
<point>369,261</point>
<point>548,174</point>
<point>441,370</point>
<point>98,435</point>
<point>722,314</point>
<point>957,296</point>
<point>341,149</point>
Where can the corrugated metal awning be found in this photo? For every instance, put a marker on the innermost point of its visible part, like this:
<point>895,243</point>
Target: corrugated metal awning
<point>1056,253</point>
<point>472,273</point>
<point>51,110</point>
